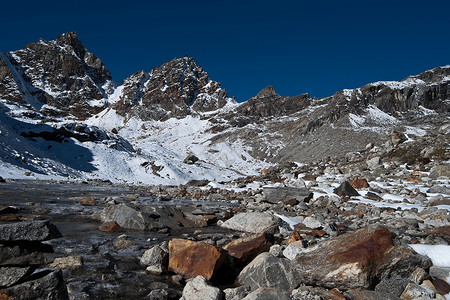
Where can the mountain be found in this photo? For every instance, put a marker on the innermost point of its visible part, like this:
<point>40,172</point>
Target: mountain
<point>63,116</point>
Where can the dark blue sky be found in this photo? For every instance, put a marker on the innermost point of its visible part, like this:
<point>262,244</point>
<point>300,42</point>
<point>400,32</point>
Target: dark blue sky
<point>316,47</point>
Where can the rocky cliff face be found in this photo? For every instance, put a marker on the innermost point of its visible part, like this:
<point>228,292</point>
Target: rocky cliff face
<point>175,89</point>
<point>60,73</point>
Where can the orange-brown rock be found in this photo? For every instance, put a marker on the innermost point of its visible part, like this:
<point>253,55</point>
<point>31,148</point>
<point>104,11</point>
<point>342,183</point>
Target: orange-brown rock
<point>246,249</point>
<point>190,259</point>
<point>88,201</point>
<point>295,236</point>
<point>290,202</point>
<point>109,227</point>
<point>318,232</point>
<point>359,183</point>
<point>356,260</point>
<point>441,286</point>
<point>414,179</point>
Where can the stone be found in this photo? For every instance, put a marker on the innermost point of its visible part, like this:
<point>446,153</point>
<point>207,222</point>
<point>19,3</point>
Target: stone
<point>29,231</point>
<point>371,295</point>
<point>199,288</point>
<point>190,159</point>
<point>268,271</point>
<point>43,285</point>
<point>25,254</point>
<point>156,260</point>
<point>439,272</point>
<point>418,275</point>
<point>70,262</point>
<point>374,163</point>
<point>111,226</point>
<point>237,293</point>
<point>279,194</point>
<point>397,138</point>
<point>2,180</point>
<point>440,171</point>
<point>253,222</point>
<point>276,250</point>
<point>268,294</point>
<point>356,260</point>
<point>293,250</point>
<point>414,291</point>
<point>9,209</point>
<point>359,183</point>
<point>143,217</point>
<point>121,244</point>
<point>190,259</point>
<point>442,232</point>
<point>11,275</point>
<point>395,286</point>
<point>246,249</point>
<point>311,222</point>
<point>88,201</point>
<point>345,190</point>
<point>441,286</point>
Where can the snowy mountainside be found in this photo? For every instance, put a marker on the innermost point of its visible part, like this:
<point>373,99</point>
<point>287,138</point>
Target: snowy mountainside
<point>63,116</point>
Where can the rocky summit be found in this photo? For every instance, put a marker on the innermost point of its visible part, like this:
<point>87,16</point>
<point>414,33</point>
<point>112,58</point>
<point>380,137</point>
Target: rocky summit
<point>164,187</point>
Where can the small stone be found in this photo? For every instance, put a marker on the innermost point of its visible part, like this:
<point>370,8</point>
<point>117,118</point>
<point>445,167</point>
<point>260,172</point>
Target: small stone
<point>156,260</point>
<point>414,291</point>
<point>359,183</point>
<point>110,227</point>
<point>88,201</point>
<point>345,190</point>
<point>69,263</point>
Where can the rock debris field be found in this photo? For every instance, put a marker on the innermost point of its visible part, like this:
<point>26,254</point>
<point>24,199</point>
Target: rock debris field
<point>369,227</point>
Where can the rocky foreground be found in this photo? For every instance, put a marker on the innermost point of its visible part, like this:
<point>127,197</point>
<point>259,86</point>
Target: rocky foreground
<point>334,229</point>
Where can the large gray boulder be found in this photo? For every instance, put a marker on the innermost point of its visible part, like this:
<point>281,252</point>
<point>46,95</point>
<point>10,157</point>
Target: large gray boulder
<point>268,271</point>
<point>199,288</point>
<point>48,285</point>
<point>278,194</point>
<point>253,222</point>
<point>11,275</point>
<point>29,231</point>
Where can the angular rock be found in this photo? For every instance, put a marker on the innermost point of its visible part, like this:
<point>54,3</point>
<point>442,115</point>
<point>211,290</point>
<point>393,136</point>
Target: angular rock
<point>280,194</point>
<point>88,201</point>
<point>414,291</point>
<point>371,295</point>
<point>43,285</point>
<point>9,209</point>
<point>268,271</point>
<point>395,286</point>
<point>70,262</point>
<point>345,190</point>
<point>439,272</point>
<point>29,231</point>
<point>440,170</point>
<point>25,254</point>
<point>190,259</point>
<point>293,250</point>
<point>356,260</point>
<point>198,288</point>
<point>236,293</point>
<point>246,249</point>
<point>11,275</point>
<point>359,183</point>
<point>268,294</point>
<point>111,226</point>
<point>144,217</point>
<point>442,232</point>
<point>253,222</point>
<point>190,159</point>
<point>155,260</point>
<point>397,138</point>
<point>441,286</point>
<point>373,163</point>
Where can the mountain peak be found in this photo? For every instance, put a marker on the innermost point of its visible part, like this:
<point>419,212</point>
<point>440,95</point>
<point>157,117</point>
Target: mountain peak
<point>268,91</point>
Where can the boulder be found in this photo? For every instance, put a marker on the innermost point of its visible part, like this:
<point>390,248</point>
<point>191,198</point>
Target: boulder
<point>11,275</point>
<point>190,159</point>
<point>268,271</point>
<point>371,295</point>
<point>268,294</point>
<point>345,190</point>
<point>88,201</point>
<point>356,260</point>
<point>279,194</point>
<point>199,288</point>
<point>29,231</point>
<point>397,138</point>
<point>143,217</point>
<point>253,222</point>
<point>440,171</point>
<point>25,253</point>
<point>190,259</point>
<point>442,232</point>
<point>246,249</point>
<point>414,291</point>
<point>43,285</point>
<point>374,162</point>
<point>359,183</point>
<point>156,260</point>
<point>70,262</point>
